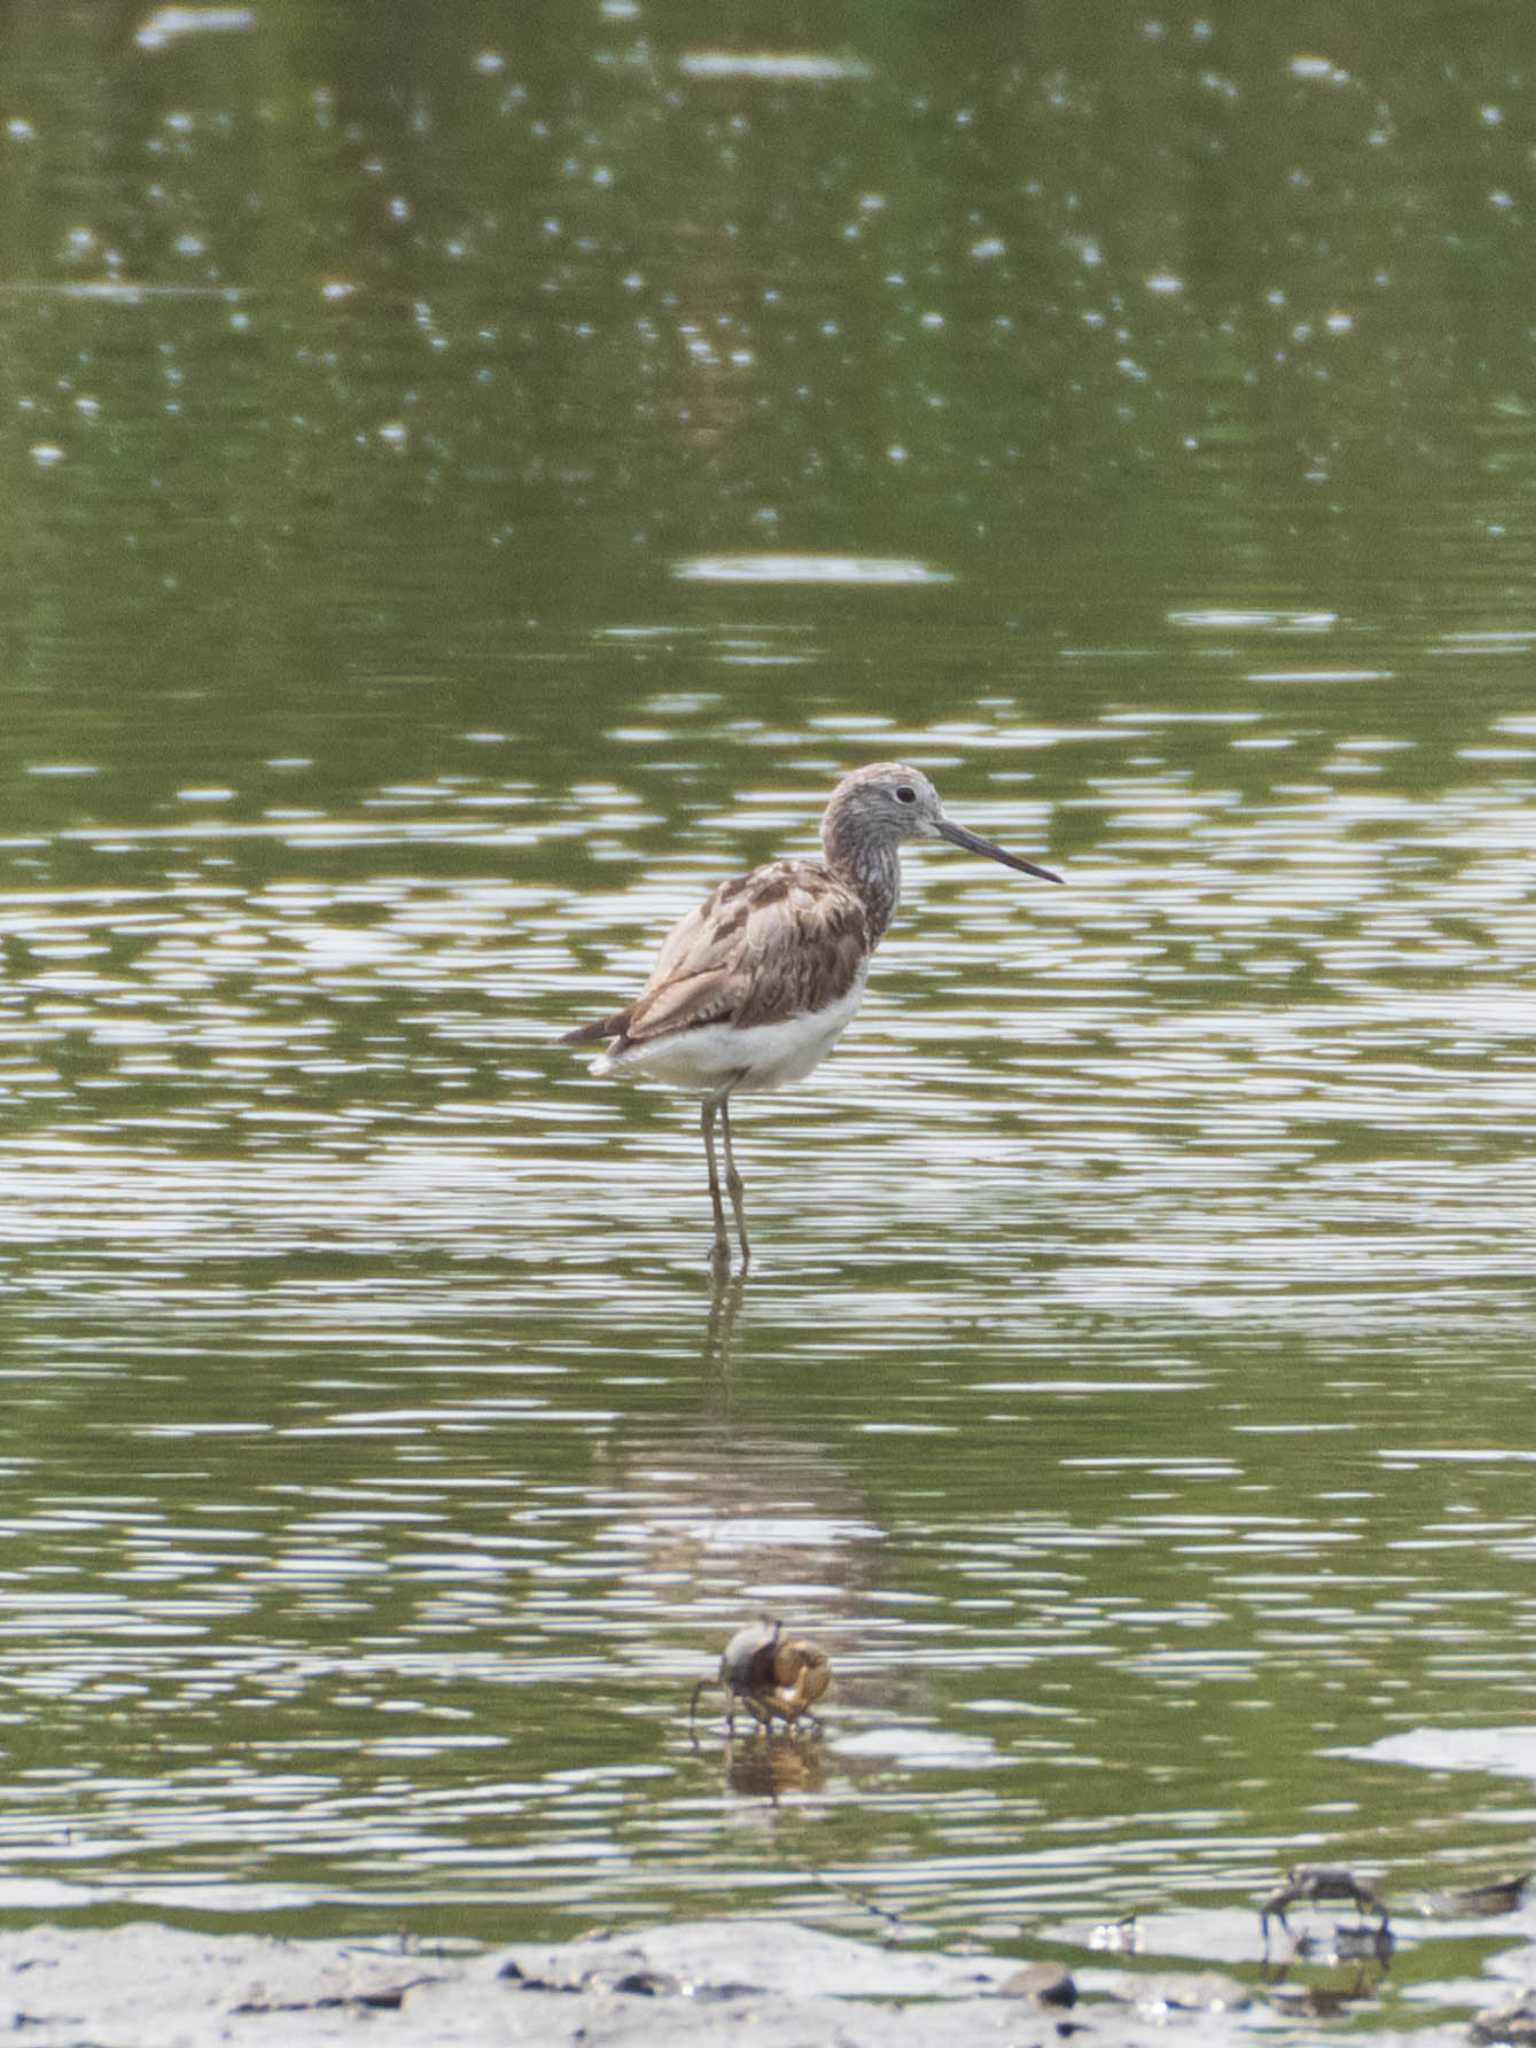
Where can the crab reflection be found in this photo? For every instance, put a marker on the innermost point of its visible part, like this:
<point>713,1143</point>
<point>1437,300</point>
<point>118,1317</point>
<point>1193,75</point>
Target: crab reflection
<point>774,1767</point>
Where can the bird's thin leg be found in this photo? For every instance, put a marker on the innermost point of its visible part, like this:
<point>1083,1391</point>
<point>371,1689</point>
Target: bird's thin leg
<point>720,1257</point>
<point>733,1182</point>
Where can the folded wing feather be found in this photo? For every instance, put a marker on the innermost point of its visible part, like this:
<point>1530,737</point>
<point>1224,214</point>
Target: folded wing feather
<point>784,940</point>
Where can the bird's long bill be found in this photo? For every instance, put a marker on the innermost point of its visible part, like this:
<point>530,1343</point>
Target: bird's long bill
<point>958,836</point>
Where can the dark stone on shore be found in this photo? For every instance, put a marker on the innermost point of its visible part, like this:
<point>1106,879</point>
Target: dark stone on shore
<point>1512,2027</point>
<point>1045,1983</point>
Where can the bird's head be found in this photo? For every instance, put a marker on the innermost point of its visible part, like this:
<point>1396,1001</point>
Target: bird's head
<point>887,803</point>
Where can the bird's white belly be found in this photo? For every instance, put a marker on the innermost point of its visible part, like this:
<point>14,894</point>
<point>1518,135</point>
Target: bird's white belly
<point>763,1056</point>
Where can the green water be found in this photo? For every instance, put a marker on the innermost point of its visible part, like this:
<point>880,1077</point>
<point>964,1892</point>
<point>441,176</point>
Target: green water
<point>469,488</point>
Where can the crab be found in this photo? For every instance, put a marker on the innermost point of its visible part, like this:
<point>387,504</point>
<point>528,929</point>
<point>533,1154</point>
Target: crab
<point>1315,1883</point>
<point>771,1674</point>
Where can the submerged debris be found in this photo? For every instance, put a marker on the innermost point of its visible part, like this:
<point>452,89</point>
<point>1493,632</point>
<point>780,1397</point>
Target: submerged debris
<point>1479,1901</point>
<point>1117,1937</point>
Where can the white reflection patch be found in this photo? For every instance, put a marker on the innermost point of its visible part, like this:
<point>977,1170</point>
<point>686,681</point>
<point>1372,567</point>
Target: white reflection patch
<point>781,568</point>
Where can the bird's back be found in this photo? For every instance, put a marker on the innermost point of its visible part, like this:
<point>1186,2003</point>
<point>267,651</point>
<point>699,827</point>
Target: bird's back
<point>789,939</point>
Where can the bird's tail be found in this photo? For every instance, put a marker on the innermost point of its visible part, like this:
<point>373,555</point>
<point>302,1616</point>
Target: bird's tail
<point>589,1034</point>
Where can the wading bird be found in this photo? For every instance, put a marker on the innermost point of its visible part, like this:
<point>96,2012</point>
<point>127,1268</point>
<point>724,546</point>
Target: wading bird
<point>757,985</point>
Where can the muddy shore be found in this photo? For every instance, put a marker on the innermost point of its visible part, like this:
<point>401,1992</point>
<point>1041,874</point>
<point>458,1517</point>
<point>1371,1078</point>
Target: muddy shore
<point>770,1982</point>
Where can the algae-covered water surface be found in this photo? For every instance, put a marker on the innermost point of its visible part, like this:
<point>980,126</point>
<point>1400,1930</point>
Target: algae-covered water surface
<point>470,491</point>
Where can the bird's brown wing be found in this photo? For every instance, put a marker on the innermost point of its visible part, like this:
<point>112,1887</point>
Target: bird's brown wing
<point>780,941</point>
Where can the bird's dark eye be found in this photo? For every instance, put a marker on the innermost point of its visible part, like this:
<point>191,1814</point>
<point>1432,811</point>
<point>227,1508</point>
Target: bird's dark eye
<point>906,794</point>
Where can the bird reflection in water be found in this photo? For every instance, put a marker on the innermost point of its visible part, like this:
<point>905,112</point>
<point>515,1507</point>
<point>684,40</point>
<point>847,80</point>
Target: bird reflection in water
<point>724,1307</point>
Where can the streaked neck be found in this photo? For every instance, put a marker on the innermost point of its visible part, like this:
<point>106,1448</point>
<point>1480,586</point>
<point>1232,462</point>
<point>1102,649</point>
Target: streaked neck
<point>871,867</point>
